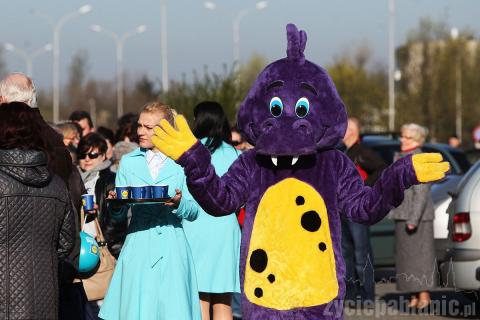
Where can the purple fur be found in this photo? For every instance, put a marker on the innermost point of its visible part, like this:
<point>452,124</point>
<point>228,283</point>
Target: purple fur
<point>313,138</point>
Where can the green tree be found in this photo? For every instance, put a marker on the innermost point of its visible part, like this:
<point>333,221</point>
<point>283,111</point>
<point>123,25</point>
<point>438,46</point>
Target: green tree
<point>363,90</point>
<point>429,62</point>
<point>77,76</point>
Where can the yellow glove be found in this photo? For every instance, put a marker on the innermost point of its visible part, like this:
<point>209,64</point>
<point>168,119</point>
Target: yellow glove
<point>429,166</point>
<point>173,143</point>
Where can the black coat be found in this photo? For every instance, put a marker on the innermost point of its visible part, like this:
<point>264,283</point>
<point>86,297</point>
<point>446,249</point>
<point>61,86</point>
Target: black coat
<point>114,231</point>
<point>37,231</point>
<point>368,160</point>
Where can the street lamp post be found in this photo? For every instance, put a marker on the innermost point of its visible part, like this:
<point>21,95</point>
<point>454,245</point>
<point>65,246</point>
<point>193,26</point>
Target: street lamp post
<point>163,43</point>
<point>120,41</point>
<point>28,57</point>
<point>236,26</point>
<point>391,65</point>
<point>458,85</point>
<point>56,52</point>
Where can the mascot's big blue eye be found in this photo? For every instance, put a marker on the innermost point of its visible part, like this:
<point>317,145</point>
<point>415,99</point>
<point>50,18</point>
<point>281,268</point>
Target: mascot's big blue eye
<point>276,107</point>
<point>302,107</point>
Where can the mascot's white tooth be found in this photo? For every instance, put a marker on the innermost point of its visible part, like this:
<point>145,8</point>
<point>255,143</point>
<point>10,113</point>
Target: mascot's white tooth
<point>294,160</point>
<point>274,160</point>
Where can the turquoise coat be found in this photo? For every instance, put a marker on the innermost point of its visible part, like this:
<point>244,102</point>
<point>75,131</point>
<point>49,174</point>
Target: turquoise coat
<point>155,274</point>
<point>215,241</point>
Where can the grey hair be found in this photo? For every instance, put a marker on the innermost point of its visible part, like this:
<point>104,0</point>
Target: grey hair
<point>419,132</point>
<point>15,91</point>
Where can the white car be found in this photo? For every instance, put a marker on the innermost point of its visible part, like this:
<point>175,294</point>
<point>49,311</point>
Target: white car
<point>461,268</point>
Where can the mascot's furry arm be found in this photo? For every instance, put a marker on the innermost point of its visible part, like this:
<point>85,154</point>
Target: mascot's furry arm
<point>222,196</point>
<point>295,185</point>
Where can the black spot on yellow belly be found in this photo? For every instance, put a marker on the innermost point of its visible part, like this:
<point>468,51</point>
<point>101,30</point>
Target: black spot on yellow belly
<point>311,221</point>
<point>258,260</point>
<point>271,278</point>
<point>322,246</point>
<point>300,201</point>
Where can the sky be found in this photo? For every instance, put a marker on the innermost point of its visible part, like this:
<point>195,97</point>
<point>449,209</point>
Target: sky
<point>199,37</point>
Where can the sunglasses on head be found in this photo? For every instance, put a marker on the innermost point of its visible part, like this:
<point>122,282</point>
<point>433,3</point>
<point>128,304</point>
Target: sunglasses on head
<point>91,155</point>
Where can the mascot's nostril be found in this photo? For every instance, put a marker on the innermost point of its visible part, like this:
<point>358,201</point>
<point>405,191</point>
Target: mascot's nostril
<point>302,126</point>
<point>268,125</point>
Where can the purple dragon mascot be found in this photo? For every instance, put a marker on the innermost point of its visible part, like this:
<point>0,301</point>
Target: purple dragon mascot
<point>295,185</point>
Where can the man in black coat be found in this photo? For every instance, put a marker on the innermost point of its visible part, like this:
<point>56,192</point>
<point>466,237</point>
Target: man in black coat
<point>356,247</point>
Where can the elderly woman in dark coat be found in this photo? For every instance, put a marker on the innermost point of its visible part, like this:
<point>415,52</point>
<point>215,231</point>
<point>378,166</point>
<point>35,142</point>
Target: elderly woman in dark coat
<point>414,248</point>
<point>37,225</point>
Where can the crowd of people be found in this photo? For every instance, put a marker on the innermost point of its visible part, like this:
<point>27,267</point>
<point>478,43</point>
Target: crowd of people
<point>174,260</point>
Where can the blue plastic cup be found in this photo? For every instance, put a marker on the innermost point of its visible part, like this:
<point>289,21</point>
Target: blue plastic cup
<point>142,192</point>
<point>160,191</point>
<point>87,202</point>
<point>122,192</point>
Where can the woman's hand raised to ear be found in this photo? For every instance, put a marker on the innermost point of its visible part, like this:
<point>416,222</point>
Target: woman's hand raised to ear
<point>173,142</point>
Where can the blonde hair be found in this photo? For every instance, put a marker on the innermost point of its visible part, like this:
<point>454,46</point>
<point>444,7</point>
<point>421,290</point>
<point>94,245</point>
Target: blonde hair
<point>67,128</point>
<point>419,133</point>
<point>157,106</point>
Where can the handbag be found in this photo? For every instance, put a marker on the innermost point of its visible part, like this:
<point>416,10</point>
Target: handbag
<point>96,282</point>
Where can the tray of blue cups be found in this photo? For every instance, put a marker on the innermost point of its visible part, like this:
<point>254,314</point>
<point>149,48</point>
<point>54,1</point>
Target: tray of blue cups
<point>140,194</point>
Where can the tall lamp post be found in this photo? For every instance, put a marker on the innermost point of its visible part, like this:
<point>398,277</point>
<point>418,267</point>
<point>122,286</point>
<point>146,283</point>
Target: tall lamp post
<point>28,57</point>
<point>163,43</point>
<point>391,65</point>
<point>57,26</point>
<point>236,26</point>
<point>120,41</point>
<point>458,84</point>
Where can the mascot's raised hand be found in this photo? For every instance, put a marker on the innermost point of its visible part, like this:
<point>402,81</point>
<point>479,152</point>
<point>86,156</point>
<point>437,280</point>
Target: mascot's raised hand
<point>429,167</point>
<point>171,142</point>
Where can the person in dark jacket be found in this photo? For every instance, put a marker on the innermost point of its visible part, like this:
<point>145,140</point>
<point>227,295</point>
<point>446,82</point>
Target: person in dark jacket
<point>94,168</point>
<point>356,247</point>
<point>40,233</point>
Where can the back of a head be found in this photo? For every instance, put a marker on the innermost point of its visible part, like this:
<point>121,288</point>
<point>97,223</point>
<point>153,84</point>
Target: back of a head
<point>19,128</point>
<point>68,128</point>
<point>79,115</point>
<point>107,134</point>
<point>211,122</point>
<point>17,87</point>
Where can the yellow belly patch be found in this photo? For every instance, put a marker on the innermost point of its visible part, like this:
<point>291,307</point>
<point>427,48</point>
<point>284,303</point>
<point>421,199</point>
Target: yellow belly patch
<point>290,261</point>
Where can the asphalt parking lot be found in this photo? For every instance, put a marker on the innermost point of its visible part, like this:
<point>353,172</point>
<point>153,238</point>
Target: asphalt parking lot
<point>447,303</point>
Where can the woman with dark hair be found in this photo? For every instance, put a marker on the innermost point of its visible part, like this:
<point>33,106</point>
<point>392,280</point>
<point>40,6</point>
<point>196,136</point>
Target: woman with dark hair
<point>95,170</point>
<point>215,241</point>
<point>40,233</point>
<point>127,128</point>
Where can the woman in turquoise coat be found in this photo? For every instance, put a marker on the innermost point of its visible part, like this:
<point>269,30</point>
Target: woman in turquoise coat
<point>155,276</point>
<point>215,241</point>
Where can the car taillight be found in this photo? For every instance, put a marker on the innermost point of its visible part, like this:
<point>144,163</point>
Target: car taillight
<point>462,230</point>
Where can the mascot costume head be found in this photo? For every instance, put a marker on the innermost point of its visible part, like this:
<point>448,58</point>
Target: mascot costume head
<point>293,108</point>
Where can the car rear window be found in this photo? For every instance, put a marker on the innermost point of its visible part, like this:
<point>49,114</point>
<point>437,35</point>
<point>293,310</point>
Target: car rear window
<point>462,160</point>
<point>387,152</point>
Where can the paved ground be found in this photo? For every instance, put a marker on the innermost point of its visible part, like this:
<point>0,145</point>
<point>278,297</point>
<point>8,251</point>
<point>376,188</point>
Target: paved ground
<point>446,304</point>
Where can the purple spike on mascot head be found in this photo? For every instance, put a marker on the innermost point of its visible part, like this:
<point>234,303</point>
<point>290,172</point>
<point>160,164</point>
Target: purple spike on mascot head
<point>296,96</point>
